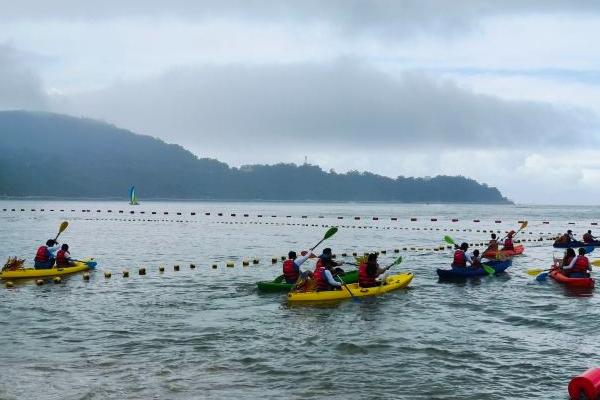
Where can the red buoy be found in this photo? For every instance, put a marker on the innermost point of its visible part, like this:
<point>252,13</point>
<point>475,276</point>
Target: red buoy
<point>586,384</point>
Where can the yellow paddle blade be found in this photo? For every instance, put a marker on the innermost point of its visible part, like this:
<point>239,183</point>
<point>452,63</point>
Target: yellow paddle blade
<point>524,225</point>
<point>63,226</point>
<point>535,271</point>
<point>596,263</point>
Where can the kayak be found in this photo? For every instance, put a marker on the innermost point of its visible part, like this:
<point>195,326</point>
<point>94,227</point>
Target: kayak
<point>576,243</point>
<point>25,273</point>
<point>279,285</point>
<point>392,282</point>
<point>519,249</point>
<point>499,267</point>
<point>558,276</point>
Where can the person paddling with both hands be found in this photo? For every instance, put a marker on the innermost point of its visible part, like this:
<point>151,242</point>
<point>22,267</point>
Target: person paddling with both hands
<point>461,257</point>
<point>370,271</point>
<point>45,255</point>
<point>323,274</point>
<point>291,266</point>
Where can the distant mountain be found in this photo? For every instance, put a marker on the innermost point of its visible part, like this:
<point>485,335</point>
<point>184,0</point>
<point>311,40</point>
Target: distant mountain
<point>52,155</point>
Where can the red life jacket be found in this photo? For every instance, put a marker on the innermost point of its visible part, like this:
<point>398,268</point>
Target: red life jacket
<point>581,264</point>
<point>320,279</point>
<point>364,279</point>
<point>459,259</point>
<point>476,262</point>
<point>493,245</point>
<point>42,255</point>
<point>587,238</point>
<point>508,244</point>
<point>318,265</point>
<point>290,273</point>
<point>61,258</point>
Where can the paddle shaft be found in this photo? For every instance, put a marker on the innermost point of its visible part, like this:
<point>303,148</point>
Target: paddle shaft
<point>346,286</point>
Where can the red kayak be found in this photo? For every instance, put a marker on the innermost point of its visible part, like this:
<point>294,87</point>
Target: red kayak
<point>519,249</point>
<point>558,276</point>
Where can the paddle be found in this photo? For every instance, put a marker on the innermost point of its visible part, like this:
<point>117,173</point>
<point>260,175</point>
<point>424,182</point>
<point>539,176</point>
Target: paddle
<point>330,232</point>
<point>488,270</point>
<point>347,288</point>
<point>61,229</point>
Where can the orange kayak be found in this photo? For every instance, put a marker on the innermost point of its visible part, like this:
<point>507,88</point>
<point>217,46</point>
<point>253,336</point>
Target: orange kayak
<point>519,249</point>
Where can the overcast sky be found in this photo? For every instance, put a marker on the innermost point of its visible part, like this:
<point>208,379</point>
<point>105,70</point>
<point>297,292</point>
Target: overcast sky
<point>506,92</point>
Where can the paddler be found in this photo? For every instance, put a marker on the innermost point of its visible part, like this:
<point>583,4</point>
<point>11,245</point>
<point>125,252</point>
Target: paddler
<point>588,237</point>
<point>44,257</point>
<point>493,244</point>
<point>63,257</point>
<point>326,259</point>
<point>566,260</point>
<point>291,266</point>
<point>461,257</point>
<point>323,274</point>
<point>475,260</point>
<point>579,266</point>
<point>508,242</point>
<point>369,271</point>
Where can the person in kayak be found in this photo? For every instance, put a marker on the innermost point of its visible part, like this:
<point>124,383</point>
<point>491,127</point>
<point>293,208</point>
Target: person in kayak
<point>566,260</point>
<point>461,257</point>
<point>588,237</point>
<point>44,257</point>
<point>63,257</point>
<point>475,260</point>
<point>326,259</point>
<point>323,276</point>
<point>493,244</point>
<point>291,266</point>
<point>508,242</point>
<point>369,271</point>
<point>579,266</point>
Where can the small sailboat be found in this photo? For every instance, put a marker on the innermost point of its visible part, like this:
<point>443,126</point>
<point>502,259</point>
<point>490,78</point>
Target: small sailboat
<point>132,197</point>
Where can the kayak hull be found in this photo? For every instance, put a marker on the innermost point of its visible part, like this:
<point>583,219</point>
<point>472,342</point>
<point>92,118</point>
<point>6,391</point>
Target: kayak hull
<point>519,249</point>
<point>30,273</point>
<point>498,266</point>
<point>393,282</point>
<point>278,285</point>
<point>559,277</point>
<point>576,244</point>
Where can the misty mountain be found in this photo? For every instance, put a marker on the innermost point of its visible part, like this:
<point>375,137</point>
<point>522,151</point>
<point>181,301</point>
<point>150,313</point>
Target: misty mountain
<point>52,155</point>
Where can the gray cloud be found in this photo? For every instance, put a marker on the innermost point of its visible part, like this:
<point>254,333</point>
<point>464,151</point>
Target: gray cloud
<point>375,16</point>
<point>20,86</point>
<point>345,104</point>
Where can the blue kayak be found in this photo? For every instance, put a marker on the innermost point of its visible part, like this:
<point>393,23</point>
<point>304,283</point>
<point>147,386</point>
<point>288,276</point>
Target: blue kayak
<point>499,267</point>
<point>575,244</point>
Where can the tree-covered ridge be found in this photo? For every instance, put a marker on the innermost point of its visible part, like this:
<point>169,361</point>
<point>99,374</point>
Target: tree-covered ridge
<point>43,154</point>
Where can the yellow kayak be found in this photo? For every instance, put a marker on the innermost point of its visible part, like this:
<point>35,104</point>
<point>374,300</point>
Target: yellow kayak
<point>392,282</point>
<point>25,273</point>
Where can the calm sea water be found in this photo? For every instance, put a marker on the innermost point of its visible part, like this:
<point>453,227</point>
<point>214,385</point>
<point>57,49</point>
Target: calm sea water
<point>207,333</point>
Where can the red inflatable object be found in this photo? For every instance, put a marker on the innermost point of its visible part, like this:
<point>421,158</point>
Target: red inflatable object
<point>558,276</point>
<point>519,249</point>
<point>586,384</point>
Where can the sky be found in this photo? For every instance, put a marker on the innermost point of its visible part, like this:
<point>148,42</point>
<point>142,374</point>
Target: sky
<point>506,92</point>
